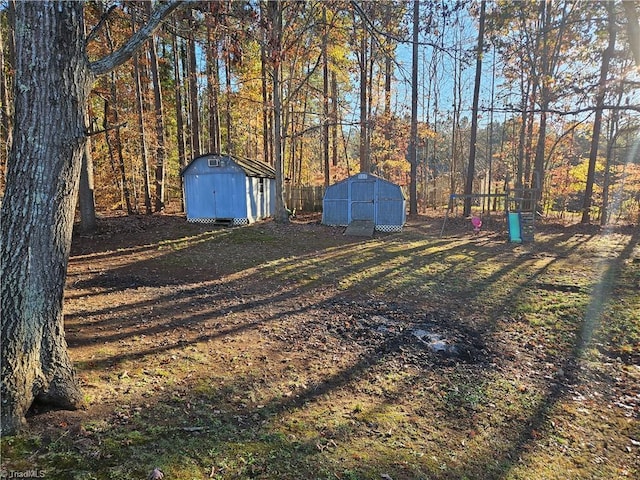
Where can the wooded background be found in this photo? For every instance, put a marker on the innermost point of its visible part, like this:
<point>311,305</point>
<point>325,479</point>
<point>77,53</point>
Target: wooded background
<point>557,105</point>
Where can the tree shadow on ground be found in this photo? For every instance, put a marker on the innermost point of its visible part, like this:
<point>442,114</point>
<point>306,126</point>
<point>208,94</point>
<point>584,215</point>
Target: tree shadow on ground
<point>308,364</point>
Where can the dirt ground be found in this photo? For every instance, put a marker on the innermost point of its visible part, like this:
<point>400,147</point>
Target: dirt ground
<point>346,356</point>
<point>148,279</point>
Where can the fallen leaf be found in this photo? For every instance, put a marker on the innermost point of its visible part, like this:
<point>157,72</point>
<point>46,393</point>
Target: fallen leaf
<point>156,474</point>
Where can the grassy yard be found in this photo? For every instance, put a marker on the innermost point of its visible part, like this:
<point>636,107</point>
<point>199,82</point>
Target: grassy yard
<point>294,352</point>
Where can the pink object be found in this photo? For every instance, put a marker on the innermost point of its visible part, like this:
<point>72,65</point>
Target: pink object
<point>477,223</point>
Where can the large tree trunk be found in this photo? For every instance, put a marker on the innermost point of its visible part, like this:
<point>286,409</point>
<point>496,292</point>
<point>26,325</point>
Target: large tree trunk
<point>86,197</point>
<point>39,205</point>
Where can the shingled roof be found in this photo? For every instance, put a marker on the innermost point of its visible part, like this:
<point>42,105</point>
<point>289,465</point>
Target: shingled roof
<point>254,168</point>
<point>251,168</point>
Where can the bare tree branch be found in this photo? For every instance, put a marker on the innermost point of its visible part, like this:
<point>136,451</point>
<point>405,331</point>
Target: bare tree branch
<point>124,53</point>
<point>374,29</point>
<point>90,132</point>
<point>94,31</point>
<point>633,108</point>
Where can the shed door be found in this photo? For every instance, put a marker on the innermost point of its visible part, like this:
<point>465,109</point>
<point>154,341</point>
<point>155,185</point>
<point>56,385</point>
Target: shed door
<point>362,195</point>
<point>227,196</point>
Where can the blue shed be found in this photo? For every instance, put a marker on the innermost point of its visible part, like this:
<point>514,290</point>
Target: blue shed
<point>228,189</point>
<point>365,197</point>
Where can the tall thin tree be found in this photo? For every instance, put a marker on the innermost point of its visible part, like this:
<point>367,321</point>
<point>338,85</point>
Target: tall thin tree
<point>274,37</point>
<point>363,60</point>
<point>161,156</point>
<point>325,97</point>
<point>607,55</point>
<point>471,165</point>
<point>144,152</point>
<point>213,88</point>
<point>194,112</point>
<point>182,155</point>
<point>413,140</point>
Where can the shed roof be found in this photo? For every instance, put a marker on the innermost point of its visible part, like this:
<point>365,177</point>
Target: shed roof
<point>363,176</point>
<point>251,168</point>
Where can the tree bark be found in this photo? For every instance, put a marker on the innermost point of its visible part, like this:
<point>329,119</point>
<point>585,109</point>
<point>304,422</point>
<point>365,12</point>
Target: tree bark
<point>5,109</point>
<point>39,204</point>
<point>86,197</point>
<point>292,174</point>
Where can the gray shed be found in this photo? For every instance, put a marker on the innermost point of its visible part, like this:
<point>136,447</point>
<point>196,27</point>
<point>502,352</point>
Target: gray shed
<point>228,189</point>
<point>365,197</point>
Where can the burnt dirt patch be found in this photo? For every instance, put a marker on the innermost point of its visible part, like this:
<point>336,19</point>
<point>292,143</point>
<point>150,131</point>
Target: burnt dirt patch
<point>412,336</point>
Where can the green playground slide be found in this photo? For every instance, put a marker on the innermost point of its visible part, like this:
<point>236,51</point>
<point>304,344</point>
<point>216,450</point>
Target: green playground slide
<point>513,222</point>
